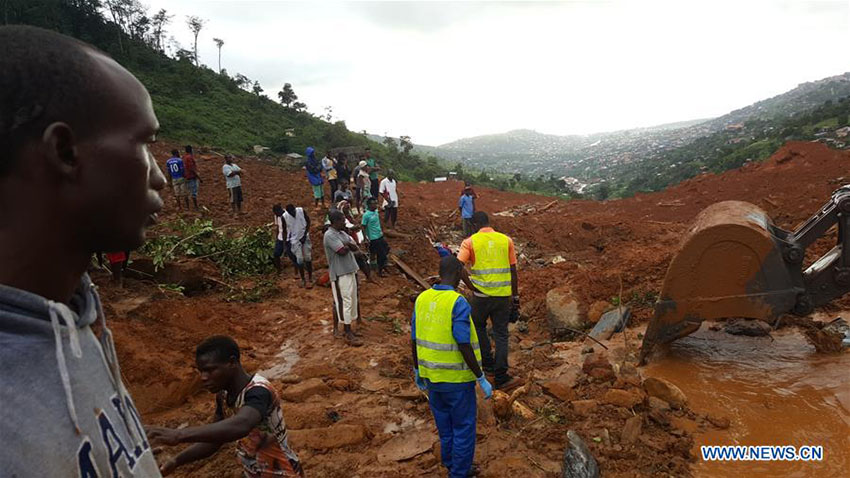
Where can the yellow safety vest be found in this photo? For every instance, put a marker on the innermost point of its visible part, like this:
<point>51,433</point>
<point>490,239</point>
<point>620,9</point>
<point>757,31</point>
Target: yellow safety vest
<point>491,272</point>
<point>439,356</point>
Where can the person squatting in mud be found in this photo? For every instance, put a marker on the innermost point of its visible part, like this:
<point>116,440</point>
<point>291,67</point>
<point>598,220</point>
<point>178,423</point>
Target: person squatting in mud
<point>247,409</point>
<point>76,177</point>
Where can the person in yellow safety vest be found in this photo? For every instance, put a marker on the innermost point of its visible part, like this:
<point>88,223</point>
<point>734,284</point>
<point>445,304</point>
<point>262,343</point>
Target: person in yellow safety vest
<point>446,363</point>
<point>493,280</point>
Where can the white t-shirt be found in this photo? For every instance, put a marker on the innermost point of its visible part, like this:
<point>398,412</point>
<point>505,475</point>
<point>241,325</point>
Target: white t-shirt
<point>389,187</point>
<point>231,181</point>
<point>295,225</point>
<point>278,221</point>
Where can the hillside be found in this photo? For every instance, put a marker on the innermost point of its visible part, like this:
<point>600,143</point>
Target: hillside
<point>649,159</point>
<point>196,105</point>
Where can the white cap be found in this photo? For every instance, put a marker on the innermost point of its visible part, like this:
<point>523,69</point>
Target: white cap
<point>362,164</point>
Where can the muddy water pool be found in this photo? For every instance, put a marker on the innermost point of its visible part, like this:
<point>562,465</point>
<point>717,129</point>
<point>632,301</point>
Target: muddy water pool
<point>775,391</point>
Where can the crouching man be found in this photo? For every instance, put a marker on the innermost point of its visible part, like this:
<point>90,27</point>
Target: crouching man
<point>247,409</point>
<point>446,361</point>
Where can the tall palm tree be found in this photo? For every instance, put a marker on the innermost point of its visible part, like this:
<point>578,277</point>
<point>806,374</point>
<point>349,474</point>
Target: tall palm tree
<point>219,42</point>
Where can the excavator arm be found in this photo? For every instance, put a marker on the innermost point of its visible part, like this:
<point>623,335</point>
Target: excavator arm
<point>734,262</point>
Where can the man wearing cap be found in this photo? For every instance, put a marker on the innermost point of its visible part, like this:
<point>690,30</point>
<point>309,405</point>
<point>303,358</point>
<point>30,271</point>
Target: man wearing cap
<point>493,279</point>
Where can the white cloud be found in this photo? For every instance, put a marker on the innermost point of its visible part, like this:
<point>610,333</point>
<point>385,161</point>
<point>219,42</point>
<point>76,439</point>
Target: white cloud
<point>441,71</point>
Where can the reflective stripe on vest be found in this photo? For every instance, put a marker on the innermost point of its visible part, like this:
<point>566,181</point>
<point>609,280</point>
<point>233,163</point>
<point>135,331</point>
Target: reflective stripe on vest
<point>491,272</point>
<point>437,351</point>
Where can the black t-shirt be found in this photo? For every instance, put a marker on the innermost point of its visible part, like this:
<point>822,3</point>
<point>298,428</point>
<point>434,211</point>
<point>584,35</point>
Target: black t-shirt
<point>256,397</point>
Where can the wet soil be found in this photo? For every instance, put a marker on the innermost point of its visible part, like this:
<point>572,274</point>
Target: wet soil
<point>611,249</point>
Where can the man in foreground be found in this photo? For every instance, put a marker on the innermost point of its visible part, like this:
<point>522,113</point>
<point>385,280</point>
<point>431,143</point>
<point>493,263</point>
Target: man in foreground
<point>446,363</point>
<point>247,409</point>
<point>298,227</point>
<point>493,280</point>
<point>76,177</point>
<point>341,251</point>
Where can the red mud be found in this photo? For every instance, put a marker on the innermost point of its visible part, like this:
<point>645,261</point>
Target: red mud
<point>608,246</point>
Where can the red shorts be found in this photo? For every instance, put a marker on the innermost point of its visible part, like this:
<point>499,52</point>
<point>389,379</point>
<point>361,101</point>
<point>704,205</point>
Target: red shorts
<point>116,257</point>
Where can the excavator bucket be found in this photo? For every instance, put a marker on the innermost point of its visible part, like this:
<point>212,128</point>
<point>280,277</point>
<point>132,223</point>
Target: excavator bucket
<point>731,263</point>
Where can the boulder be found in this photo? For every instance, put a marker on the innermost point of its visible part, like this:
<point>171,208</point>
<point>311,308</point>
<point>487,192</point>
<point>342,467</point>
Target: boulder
<point>327,438</point>
<point>656,403</point>
<point>584,407</point>
<point>563,311</point>
<point>406,445</point>
<point>750,328</point>
<point>611,322</point>
<point>597,366</point>
<point>562,386</point>
<point>631,430</point>
<point>719,421</point>
<point>304,390</point>
<point>594,313</point>
<point>660,388</point>
<point>623,398</point>
<point>578,462</point>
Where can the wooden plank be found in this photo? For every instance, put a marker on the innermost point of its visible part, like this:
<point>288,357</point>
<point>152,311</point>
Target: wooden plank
<point>396,234</point>
<point>410,272</point>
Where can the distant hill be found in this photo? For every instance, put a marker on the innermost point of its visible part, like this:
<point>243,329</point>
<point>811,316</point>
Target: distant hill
<point>651,158</point>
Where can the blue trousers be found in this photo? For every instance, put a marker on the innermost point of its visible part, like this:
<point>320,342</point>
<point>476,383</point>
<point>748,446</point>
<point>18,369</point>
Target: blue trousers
<point>455,414</point>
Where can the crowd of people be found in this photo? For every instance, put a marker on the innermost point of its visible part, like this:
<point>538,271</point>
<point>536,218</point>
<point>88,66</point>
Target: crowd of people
<point>80,180</point>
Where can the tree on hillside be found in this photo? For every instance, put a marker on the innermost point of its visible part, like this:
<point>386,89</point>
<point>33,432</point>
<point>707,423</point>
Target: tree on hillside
<point>406,144</point>
<point>219,43</point>
<point>391,145</point>
<point>183,54</point>
<point>159,21</point>
<point>329,110</point>
<point>126,14</point>
<point>257,90</point>
<point>195,23</point>
<point>242,81</point>
<point>299,106</point>
<point>287,96</point>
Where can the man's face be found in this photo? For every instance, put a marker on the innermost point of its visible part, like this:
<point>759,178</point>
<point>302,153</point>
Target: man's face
<point>116,190</point>
<point>338,223</point>
<point>215,374</point>
<point>373,205</point>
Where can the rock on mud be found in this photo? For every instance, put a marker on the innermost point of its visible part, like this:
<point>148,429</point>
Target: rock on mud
<point>562,385</point>
<point>749,328</point>
<point>611,322</point>
<point>327,438</point>
<point>304,390</point>
<point>660,388</point>
<point>564,311</point>
<point>594,313</point>
<point>631,430</point>
<point>623,398</point>
<point>406,446</point>
<point>597,366</point>
<point>578,462</point>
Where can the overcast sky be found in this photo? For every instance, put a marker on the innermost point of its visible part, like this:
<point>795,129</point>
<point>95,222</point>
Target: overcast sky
<point>440,71</point>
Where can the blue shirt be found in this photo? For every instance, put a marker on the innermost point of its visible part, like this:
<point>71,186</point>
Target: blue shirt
<point>461,331</point>
<point>175,168</point>
<point>467,206</point>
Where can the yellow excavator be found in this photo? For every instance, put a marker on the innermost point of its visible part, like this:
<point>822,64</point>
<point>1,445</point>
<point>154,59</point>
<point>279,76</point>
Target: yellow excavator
<point>734,262</point>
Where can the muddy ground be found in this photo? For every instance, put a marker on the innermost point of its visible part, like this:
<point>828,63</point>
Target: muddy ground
<point>355,412</point>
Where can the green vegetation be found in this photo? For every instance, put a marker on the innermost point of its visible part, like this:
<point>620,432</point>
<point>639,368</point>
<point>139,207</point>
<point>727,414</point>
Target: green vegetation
<point>194,103</point>
<point>237,251</point>
<point>756,140</point>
